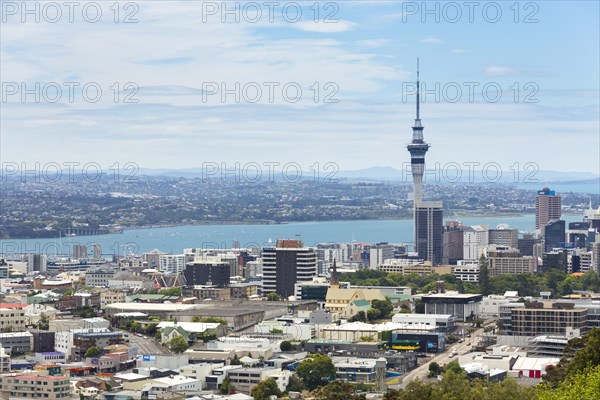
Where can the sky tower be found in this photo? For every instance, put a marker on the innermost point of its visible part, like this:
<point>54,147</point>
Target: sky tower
<point>428,215</point>
<point>417,149</point>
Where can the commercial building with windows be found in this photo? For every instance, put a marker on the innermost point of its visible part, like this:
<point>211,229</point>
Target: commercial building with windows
<point>12,319</point>
<point>464,307</point>
<point>535,319</point>
<point>442,323</point>
<point>429,230</point>
<point>286,264</point>
<point>502,235</point>
<point>511,265</point>
<point>16,342</point>
<point>474,240</point>
<point>453,242</point>
<point>208,271</point>
<point>34,386</point>
<point>98,277</point>
<point>547,207</point>
<point>554,234</point>
<point>466,272</point>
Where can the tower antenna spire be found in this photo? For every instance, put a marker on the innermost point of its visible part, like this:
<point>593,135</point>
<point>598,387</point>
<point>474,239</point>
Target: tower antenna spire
<point>418,91</point>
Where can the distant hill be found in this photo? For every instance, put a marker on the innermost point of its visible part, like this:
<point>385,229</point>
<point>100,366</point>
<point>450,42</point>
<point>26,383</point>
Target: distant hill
<point>389,174</point>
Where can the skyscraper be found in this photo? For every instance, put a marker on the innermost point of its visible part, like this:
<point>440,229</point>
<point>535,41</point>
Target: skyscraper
<point>547,207</point>
<point>554,234</point>
<point>429,230</point>
<point>428,216</point>
<point>287,263</point>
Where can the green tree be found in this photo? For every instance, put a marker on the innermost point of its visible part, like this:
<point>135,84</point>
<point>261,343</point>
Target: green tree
<point>434,369</point>
<point>579,354</point>
<point>226,387</point>
<point>454,366</point>
<point>286,345</point>
<point>174,291</point>
<point>419,307</point>
<point>235,360</point>
<point>294,385</point>
<point>359,316</point>
<point>178,344</point>
<point>582,385</point>
<point>273,297</point>
<point>484,276</point>
<point>264,389</point>
<point>338,390</point>
<point>92,352</point>
<point>44,322</point>
<point>316,370</point>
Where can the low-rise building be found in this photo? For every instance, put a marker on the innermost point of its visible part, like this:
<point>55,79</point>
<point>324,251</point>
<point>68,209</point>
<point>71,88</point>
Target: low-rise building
<point>98,277</point>
<point>12,318</point>
<point>56,357</point>
<point>16,342</point>
<point>52,386</point>
<point>4,361</point>
<point>358,369</point>
<point>537,318</point>
<point>464,307</point>
<point>199,371</point>
<point>443,323</point>
<point>244,379</point>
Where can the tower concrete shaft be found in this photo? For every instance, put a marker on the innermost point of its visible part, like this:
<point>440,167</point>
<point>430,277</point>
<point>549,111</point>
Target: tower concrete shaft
<point>417,149</point>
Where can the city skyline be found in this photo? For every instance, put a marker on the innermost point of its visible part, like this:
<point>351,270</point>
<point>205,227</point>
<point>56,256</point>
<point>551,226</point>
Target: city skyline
<point>170,55</point>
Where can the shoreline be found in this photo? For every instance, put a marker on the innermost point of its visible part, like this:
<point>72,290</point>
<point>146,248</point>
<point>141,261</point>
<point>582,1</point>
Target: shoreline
<point>452,216</point>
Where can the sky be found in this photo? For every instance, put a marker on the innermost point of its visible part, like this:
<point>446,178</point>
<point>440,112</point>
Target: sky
<point>178,84</point>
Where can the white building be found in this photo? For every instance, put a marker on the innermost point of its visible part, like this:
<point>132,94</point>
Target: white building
<point>173,263</point>
<point>490,305</point>
<point>177,383</point>
<point>63,340</point>
<point>474,240</point>
<point>439,321</point>
<point>466,272</point>
<point>60,325</point>
<point>199,371</point>
<point>4,360</point>
<point>297,330</point>
<point>378,253</point>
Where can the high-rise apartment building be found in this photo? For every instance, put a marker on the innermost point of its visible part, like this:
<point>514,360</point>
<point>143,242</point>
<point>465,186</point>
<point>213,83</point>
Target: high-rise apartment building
<point>80,251</point>
<point>380,252</point>
<point>452,242</point>
<point>474,241</point>
<point>285,264</point>
<point>502,235</point>
<point>547,207</point>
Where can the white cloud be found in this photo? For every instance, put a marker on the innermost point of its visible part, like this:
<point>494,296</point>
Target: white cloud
<point>324,27</point>
<point>500,70</point>
<point>431,40</point>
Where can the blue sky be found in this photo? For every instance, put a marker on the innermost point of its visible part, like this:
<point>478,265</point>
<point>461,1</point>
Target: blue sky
<point>365,61</point>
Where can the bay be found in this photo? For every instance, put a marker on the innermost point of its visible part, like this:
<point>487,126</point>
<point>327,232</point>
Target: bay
<point>174,239</point>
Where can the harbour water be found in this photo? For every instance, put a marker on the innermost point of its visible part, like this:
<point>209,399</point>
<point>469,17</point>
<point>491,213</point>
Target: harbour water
<point>174,239</point>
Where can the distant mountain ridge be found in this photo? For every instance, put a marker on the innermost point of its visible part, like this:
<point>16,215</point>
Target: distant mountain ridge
<point>390,174</point>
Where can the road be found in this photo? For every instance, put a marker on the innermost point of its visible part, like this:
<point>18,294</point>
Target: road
<point>145,346</point>
<point>442,358</point>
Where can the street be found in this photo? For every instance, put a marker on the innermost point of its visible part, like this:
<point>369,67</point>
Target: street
<point>422,371</point>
